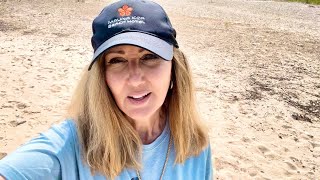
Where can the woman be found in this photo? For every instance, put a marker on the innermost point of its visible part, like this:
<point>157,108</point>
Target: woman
<point>133,113</point>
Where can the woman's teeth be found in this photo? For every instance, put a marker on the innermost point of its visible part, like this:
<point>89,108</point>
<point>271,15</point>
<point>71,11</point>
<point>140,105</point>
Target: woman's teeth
<point>139,97</point>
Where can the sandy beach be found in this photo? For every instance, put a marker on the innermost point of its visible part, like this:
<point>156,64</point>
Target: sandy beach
<point>256,67</point>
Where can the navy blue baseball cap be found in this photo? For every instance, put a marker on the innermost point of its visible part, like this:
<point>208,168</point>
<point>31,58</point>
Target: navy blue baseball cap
<point>141,23</point>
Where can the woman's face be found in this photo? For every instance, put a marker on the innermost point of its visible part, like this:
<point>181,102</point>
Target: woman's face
<point>138,80</point>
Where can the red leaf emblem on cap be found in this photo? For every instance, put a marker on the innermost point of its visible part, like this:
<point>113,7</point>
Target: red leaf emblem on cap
<point>125,10</point>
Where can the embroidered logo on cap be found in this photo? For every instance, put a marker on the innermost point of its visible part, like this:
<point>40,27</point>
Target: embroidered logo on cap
<point>126,18</point>
<point>125,10</point>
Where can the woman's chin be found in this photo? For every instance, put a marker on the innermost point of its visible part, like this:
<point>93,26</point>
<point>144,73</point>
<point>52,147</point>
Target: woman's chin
<point>138,115</point>
<point>141,113</point>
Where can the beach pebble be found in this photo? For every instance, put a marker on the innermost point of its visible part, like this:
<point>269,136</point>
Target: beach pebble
<point>17,122</point>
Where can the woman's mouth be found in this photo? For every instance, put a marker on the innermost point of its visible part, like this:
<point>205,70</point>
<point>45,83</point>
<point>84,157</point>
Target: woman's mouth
<point>139,99</point>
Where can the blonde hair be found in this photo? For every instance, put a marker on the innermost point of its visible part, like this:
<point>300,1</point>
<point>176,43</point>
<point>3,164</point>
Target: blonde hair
<point>109,141</point>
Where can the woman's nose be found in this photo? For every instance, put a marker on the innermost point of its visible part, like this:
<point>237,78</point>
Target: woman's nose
<point>135,74</point>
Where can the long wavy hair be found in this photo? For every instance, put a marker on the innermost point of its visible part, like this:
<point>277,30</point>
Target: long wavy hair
<point>108,140</point>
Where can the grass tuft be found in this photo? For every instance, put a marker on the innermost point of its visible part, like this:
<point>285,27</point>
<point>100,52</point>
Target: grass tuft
<point>307,1</point>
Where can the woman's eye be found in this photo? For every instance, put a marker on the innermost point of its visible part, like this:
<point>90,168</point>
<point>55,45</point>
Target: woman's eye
<point>116,61</point>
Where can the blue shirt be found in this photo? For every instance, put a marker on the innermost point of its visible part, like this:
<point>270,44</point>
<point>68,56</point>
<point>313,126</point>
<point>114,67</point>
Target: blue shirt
<point>55,154</point>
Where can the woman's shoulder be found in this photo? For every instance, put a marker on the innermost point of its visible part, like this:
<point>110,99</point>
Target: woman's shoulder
<point>62,134</point>
<point>57,138</point>
<point>204,154</point>
<point>45,155</point>
<point>65,129</point>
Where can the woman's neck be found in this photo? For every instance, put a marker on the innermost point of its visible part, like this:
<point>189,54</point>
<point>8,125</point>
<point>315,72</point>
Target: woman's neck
<point>150,129</point>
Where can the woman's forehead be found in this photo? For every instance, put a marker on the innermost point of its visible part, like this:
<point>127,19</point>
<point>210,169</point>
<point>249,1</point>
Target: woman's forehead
<point>123,49</point>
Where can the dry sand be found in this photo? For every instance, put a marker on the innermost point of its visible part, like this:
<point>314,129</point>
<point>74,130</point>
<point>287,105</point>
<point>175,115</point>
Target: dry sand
<point>256,66</point>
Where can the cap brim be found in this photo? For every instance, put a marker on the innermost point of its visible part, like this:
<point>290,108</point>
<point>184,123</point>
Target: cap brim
<point>146,41</point>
